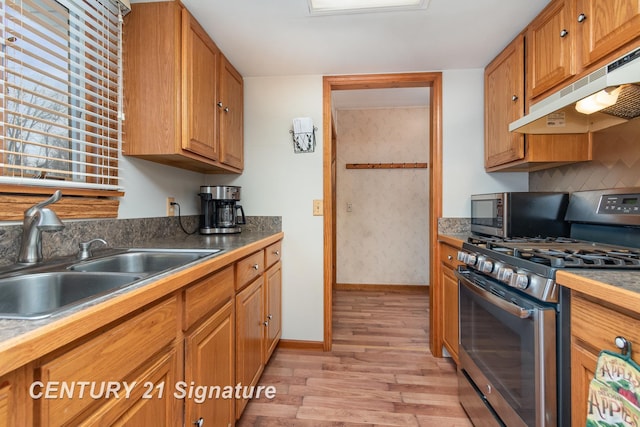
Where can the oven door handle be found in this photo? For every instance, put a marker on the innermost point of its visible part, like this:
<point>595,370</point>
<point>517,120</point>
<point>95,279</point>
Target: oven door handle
<point>503,304</point>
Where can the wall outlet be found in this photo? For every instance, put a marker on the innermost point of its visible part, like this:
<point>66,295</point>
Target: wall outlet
<point>349,207</point>
<point>171,209</point>
<point>317,208</point>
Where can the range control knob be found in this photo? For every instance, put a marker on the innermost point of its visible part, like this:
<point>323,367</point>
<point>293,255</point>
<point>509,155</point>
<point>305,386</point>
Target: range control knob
<point>485,266</point>
<point>461,256</point>
<point>470,259</point>
<point>504,274</point>
<point>520,281</point>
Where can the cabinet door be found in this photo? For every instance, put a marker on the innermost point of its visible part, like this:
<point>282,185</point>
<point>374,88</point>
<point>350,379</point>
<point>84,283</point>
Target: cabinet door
<point>607,25</point>
<point>200,58</point>
<point>250,327</point>
<point>209,363</point>
<point>273,305</point>
<point>151,401</point>
<point>504,103</point>
<point>583,366</point>
<point>15,402</point>
<point>450,305</point>
<point>550,48</point>
<point>112,355</point>
<point>230,105</point>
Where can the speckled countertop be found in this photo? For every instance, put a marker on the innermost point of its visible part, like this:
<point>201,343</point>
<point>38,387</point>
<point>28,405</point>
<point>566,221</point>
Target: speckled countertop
<point>618,287</point>
<point>16,331</point>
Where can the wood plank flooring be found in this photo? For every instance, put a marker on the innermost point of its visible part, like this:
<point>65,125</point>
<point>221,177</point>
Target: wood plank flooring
<point>379,373</point>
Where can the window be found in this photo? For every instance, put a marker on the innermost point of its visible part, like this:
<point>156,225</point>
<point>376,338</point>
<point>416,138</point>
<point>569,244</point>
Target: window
<point>60,74</point>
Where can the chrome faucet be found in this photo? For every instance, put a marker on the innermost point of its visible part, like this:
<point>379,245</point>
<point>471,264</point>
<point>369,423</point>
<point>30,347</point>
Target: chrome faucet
<point>84,248</point>
<point>37,219</point>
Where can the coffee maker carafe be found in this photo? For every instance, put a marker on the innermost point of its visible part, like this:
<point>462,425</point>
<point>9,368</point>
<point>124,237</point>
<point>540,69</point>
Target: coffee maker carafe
<point>220,213</point>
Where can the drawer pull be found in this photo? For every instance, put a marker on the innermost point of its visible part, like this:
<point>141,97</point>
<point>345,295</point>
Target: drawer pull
<point>449,257</point>
<point>199,423</point>
<point>624,345</point>
<point>256,267</point>
<point>276,253</point>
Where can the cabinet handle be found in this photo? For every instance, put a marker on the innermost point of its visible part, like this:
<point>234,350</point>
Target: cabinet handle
<point>582,17</point>
<point>277,253</point>
<point>514,98</point>
<point>266,323</point>
<point>624,345</point>
<point>219,104</point>
<point>199,423</point>
<point>256,267</point>
<point>449,257</point>
<point>226,109</point>
<point>564,33</point>
<point>270,317</point>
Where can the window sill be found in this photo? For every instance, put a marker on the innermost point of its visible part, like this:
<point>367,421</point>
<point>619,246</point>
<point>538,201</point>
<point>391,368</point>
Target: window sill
<point>75,203</point>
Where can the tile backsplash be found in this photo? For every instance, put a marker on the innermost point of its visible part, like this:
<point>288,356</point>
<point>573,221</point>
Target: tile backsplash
<point>117,232</point>
<point>615,164</point>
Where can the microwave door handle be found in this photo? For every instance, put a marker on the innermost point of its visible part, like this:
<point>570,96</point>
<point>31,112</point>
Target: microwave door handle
<point>507,306</point>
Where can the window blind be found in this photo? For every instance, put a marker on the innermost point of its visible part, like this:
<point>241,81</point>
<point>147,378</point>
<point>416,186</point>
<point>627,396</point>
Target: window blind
<point>60,73</point>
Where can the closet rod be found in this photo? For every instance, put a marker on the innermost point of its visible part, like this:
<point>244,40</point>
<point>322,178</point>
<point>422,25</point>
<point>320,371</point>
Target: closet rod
<point>387,165</point>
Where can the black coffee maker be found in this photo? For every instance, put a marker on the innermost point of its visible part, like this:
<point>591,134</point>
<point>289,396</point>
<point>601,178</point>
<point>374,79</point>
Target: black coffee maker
<point>220,213</point>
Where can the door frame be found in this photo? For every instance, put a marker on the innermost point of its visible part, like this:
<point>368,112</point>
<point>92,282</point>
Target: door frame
<point>433,80</point>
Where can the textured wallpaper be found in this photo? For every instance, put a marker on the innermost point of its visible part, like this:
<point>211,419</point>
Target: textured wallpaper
<point>615,164</point>
<point>384,239</point>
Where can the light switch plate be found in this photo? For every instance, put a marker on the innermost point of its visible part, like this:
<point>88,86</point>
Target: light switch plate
<point>317,208</point>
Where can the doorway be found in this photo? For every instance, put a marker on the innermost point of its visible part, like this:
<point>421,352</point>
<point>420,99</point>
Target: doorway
<point>382,81</point>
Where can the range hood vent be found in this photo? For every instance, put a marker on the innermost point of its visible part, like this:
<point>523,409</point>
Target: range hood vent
<point>557,114</point>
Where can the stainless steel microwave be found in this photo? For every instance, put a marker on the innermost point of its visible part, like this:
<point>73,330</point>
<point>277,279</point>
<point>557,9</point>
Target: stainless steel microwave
<point>520,214</point>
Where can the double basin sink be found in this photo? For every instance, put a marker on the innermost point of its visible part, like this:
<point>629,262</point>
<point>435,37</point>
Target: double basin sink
<point>39,292</point>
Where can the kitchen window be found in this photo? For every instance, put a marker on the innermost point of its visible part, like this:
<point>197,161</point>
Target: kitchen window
<point>61,115</point>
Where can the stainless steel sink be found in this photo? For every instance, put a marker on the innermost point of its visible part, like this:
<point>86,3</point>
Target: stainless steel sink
<point>146,262</point>
<point>35,296</point>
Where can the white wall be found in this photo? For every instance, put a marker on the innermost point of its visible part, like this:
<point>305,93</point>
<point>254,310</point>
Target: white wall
<point>147,186</point>
<point>384,238</point>
<point>463,145</point>
<point>277,182</point>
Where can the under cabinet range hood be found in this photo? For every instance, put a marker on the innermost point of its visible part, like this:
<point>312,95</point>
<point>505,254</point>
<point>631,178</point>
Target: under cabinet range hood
<point>615,87</point>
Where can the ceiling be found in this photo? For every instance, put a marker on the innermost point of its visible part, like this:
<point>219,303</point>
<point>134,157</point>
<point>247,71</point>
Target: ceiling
<point>280,37</point>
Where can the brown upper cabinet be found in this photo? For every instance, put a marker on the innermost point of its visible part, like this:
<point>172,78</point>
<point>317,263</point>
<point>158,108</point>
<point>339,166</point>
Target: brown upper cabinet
<point>606,26</point>
<point>183,99</point>
<point>565,42</point>
<point>504,103</point>
<point>569,36</point>
<point>551,55</point>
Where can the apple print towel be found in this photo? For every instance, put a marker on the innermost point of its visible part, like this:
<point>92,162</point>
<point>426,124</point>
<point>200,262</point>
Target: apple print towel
<point>614,392</point>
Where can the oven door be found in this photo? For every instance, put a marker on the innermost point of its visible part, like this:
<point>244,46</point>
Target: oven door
<point>508,350</point>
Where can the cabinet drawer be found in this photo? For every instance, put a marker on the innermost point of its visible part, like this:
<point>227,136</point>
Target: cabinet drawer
<point>273,254</point>
<point>207,295</point>
<point>249,268</point>
<point>598,326</point>
<point>110,356</point>
<point>449,255</point>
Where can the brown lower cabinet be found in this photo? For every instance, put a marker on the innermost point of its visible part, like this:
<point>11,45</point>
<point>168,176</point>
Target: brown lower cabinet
<point>258,315</point>
<point>449,286</point>
<point>594,326</point>
<point>206,335</point>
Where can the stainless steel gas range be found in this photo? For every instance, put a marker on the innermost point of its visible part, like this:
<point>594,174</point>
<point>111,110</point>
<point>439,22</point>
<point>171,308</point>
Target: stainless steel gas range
<point>514,354</point>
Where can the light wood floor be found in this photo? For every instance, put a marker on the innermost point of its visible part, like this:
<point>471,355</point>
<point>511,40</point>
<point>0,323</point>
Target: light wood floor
<point>379,373</point>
